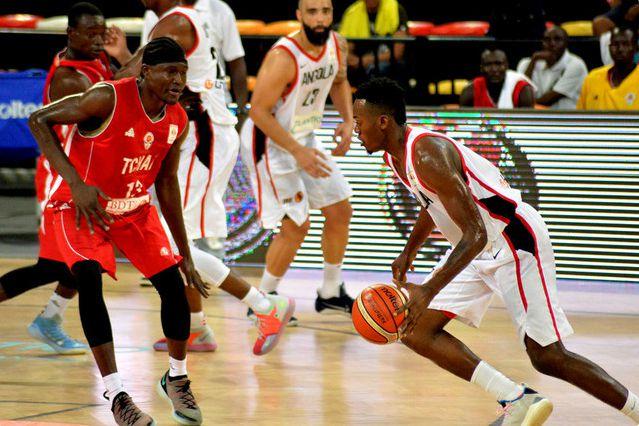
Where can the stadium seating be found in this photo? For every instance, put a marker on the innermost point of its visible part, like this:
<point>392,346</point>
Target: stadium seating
<point>420,28</point>
<point>578,28</point>
<point>462,29</point>
<point>128,25</point>
<point>448,87</point>
<point>280,28</point>
<point>54,23</point>
<point>20,20</point>
<point>250,26</point>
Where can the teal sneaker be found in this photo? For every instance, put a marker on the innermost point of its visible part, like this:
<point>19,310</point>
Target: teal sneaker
<point>49,331</point>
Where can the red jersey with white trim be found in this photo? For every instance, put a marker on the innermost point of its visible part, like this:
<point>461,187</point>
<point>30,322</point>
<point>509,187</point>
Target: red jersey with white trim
<point>509,96</point>
<point>495,199</point>
<point>124,156</point>
<point>301,108</point>
<point>95,70</point>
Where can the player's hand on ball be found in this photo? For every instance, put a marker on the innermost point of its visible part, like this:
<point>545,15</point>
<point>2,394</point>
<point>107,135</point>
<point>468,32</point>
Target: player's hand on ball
<point>401,265</point>
<point>312,161</point>
<point>419,297</point>
<point>85,199</point>
<point>193,278</point>
<point>342,137</point>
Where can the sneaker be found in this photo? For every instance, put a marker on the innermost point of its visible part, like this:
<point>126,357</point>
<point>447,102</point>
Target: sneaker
<point>342,304</point>
<point>528,409</point>
<point>126,413</point>
<point>251,315</point>
<point>271,326</point>
<point>200,340</point>
<point>49,331</point>
<point>177,391</point>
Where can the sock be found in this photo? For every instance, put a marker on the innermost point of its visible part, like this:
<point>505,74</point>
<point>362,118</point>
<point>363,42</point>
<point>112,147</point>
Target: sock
<point>332,280</point>
<point>269,282</point>
<point>198,320</point>
<point>57,305</point>
<point>257,301</point>
<point>177,367</point>
<point>495,383</point>
<point>113,384</point>
<point>631,409</point>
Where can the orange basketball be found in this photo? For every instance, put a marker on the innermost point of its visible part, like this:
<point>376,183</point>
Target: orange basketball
<point>373,313</point>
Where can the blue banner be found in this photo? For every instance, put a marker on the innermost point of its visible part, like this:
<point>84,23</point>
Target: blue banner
<point>20,95</point>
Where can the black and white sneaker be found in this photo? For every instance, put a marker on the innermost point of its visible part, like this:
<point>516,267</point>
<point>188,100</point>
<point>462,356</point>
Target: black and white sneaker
<point>342,304</point>
<point>251,315</point>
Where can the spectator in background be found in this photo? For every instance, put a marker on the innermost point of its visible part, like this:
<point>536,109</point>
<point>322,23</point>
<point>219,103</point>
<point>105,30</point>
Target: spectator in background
<point>367,18</point>
<point>614,87</point>
<point>556,74</point>
<point>498,87</point>
<point>622,14</point>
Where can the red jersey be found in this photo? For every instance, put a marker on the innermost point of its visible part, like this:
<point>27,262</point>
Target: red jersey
<point>124,156</point>
<point>95,70</point>
<point>509,96</point>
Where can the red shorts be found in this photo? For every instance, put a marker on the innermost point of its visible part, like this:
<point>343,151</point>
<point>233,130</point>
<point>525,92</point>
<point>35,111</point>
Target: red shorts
<point>139,236</point>
<point>46,236</point>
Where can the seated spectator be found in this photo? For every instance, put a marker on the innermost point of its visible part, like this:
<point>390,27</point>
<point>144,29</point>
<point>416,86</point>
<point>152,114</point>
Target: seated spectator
<point>614,87</point>
<point>498,87</point>
<point>557,74</point>
<point>368,18</point>
<point>622,14</point>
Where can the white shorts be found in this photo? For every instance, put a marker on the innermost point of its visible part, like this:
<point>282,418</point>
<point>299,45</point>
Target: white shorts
<point>525,281</point>
<point>204,173</point>
<point>281,188</point>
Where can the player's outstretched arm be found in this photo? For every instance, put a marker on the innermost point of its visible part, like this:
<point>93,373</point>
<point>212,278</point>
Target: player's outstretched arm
<point>167,190</point>
<point>96,103</point>
<point>342,97</point>
<point>437,163</point>
<point>275,75</point>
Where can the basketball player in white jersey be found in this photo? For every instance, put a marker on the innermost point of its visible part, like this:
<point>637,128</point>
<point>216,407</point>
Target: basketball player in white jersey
<point>500,245</point>
<point>291,173</point>
<point>203,170</point>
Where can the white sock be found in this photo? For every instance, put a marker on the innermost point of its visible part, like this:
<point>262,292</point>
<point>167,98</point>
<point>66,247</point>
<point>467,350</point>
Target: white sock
<point>332,280</point>
<point>269,282</point>
<point>177,367</point>
<point>198,320</point>
<point>257,301</point>
<point>57,305</point>
<point>631,409</point>
<point>495,383</point>
<point>113,385</point>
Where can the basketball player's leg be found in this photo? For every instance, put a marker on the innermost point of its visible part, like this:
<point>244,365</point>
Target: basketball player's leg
<point>284,247</point>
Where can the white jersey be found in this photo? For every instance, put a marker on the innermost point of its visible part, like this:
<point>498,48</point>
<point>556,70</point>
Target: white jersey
<point>205,76</point>
<point>301,107</point>
<point>496,201</point>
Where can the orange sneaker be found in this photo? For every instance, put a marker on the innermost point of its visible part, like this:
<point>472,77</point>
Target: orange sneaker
<point>271,326</point>
<point>200,340</point>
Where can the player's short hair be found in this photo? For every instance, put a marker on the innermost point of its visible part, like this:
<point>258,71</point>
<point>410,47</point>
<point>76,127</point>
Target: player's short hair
<point>622,29</point>
<point>163,50</point>
<point>80,9</point>
<point>386,95</point>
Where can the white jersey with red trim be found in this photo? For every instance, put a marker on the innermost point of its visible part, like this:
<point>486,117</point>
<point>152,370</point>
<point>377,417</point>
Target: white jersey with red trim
<point>205,76</point>
<point>495,199</point>
<point>301,107</point>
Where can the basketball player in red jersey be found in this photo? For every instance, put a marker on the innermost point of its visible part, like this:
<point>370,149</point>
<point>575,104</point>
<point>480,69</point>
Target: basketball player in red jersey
<point>75,69</point>
<point>500,245</point>
<point>205,102</point>
<point>126,136</point>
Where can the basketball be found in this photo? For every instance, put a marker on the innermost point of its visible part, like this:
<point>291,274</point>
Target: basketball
<point>373,313</point>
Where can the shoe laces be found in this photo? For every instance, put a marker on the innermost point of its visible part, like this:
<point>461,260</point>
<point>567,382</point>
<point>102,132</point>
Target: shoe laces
<point>505,410</point>
<point>54,332</point>
<point>185,394</point>
<point>127,411</point>
<point>267,323</point>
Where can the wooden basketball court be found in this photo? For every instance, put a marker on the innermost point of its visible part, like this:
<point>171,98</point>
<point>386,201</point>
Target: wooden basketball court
<point>322,373</point>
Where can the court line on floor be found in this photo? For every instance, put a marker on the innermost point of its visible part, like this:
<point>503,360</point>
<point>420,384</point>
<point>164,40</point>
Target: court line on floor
<point>50,413</point>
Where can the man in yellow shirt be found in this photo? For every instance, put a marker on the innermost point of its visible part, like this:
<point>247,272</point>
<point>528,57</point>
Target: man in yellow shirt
<point>614,87</point>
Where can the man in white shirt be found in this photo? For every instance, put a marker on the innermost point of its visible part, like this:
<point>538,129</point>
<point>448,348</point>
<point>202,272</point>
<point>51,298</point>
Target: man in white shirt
<point>556,73</point>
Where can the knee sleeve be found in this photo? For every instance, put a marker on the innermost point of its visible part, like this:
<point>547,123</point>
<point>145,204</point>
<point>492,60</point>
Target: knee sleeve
<point>93,311</point>
<point>210,267</point>
<point>44,272</point>
<point>176,318</point>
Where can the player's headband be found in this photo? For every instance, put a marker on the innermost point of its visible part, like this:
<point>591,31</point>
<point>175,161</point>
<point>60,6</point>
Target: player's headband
<point>162,50</point>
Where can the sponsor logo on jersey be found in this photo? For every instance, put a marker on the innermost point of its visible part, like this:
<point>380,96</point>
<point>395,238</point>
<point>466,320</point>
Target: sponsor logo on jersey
<point>318,74</point>
<point>173,133</point>
<point>137,164</point>
<point>208,84</point>
<point>119,206</point>
<point>630,98</point>
<point>17,109</point>
<point>164,251</point>
<point>148,140</point>
<point>130,133</point>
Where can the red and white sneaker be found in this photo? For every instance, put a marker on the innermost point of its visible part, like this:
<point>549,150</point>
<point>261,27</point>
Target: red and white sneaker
<point>271,326</point>
<point>200,340</point>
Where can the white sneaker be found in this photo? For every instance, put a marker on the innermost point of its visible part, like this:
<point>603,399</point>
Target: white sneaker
<point>528,409</point>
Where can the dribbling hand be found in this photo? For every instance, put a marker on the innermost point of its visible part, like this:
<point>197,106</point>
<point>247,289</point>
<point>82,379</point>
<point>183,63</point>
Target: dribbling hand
<point>85,199</point>
<point>419,297</point>
<point>401,265</point>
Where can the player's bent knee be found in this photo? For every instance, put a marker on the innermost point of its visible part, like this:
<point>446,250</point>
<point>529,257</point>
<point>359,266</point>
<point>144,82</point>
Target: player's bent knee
<point>175,307</point>
<point>547,360</point>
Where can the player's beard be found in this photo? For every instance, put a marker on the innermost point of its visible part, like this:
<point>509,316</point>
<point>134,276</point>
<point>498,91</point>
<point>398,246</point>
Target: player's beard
<point>318,39</point>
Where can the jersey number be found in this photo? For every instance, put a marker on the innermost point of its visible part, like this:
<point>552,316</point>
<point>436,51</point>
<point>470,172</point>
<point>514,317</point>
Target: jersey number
<point>134,188</point>
<point>311,97</point>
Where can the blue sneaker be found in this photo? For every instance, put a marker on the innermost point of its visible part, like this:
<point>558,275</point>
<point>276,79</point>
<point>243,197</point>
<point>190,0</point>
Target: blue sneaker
<point>49,331</point>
